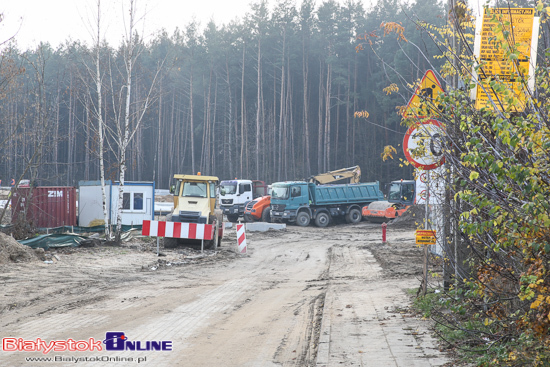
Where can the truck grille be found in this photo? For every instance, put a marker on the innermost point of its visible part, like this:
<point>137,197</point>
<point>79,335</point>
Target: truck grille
<point>227,201</point>
<point>278,207</point>
<point>190,217</point>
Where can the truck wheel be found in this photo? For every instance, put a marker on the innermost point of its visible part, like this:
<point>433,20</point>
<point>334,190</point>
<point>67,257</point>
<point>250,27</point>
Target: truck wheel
<point>354,216</point>
<point>303,219</point>
<point>170,242</point>
<point>233,217</point>
<point>322,219</point>
<point>266,215</point>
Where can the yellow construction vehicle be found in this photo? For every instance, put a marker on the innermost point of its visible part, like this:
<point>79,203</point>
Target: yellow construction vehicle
<point>353,173</point>
<point>195,207</point>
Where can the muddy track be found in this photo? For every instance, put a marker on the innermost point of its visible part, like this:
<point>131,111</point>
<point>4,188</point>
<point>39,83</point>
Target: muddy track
<point>221,308</point>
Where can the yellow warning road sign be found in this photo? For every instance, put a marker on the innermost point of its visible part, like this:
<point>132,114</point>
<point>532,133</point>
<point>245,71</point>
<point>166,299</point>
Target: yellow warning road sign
<point>423,102</point>
<point>425,237</point>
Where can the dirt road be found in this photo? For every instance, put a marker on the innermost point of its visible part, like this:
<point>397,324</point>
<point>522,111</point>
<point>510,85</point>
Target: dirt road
<point>301,297</point>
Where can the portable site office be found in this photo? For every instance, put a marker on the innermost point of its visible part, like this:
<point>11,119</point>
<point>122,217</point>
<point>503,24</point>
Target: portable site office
<point>138,202</point>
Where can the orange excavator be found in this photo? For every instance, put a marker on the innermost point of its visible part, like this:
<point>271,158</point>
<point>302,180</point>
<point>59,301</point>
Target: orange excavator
<point>401,195</point>
<point>259,209</point>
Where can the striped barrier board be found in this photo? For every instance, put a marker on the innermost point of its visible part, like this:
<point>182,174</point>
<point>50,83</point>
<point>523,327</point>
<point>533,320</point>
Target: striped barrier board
<point>194,231</point>
<point>241,238</point>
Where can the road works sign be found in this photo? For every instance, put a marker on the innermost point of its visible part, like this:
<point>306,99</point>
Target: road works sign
<point>423,144</point>
<point>423,101</point>
<point>425,237</point>
<point>522,28</point>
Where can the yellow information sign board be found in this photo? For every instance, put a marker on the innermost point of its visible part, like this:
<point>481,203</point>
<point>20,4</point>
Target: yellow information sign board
<point>422,103</point>
<point>518,23</point>
<point>425,237</point>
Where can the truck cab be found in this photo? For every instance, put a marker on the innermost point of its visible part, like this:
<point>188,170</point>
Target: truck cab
<point>287,198</point>
<point>235,194</point>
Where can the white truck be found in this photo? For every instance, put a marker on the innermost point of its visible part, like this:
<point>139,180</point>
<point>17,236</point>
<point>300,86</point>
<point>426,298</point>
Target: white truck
<point>235,194</point>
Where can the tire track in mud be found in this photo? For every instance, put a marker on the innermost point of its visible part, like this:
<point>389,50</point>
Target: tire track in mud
<point>313,317</point>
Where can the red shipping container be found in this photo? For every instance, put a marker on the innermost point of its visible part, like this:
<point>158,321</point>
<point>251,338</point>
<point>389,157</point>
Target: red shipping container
<point>45,206</point>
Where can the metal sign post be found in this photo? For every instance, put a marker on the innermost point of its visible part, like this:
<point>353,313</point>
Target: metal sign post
<point>425,270</point>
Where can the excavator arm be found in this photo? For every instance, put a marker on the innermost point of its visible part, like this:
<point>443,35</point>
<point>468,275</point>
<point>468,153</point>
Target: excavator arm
<point>353,173</point>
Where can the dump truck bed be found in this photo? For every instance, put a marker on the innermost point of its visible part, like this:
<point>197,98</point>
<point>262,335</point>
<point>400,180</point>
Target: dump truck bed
<point>345,194</point>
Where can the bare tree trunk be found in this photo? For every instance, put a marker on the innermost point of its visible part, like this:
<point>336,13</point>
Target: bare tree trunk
<point>246,152</point>
<point>355,107</point>
<point>206,102</point>
<point>258,104</point>
<point>191,120</point>
<point>289,127</point>
<point>56,138</point>
<point>97,77</point>
<point>274,145</point>
<point>87,143</point>
<point>348,162</point>
<point>335,162</point>
<point>230,121</point>
<point>208,123</point>
<point>172,152</point>
<point>282,111</point>
<point>305,74</point>
<point>213,129</point>
<point>242,114</point>
<point>320,136</point>
<point>264,145</point>
<point>326,162</point>
<point>70,137</point>
<point>158,153</point>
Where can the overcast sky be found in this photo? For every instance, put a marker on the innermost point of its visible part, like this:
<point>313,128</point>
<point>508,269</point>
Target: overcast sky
<point>56,21</point>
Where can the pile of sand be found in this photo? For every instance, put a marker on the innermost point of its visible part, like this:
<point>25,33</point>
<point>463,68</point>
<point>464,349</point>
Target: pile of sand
<point>411,218</point>
<point>13,251</point>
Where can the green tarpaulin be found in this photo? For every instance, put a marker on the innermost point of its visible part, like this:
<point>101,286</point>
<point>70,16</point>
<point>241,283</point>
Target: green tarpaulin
<point>53,240</point>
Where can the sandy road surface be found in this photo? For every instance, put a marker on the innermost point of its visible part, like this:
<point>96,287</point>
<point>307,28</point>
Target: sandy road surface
<point>302,297</point>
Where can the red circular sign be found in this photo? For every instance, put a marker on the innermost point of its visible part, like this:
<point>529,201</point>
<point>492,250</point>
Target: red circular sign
<point>422,144</point>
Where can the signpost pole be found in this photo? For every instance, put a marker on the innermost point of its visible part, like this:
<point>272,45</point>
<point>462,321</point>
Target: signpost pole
<point>425,272</point>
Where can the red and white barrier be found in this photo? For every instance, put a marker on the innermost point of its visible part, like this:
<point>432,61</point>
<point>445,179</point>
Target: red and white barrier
<point>241,239</point>
<point>194,231</point>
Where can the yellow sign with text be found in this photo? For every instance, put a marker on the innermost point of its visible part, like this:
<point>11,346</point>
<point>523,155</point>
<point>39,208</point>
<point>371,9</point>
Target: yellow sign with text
<point>425,237</point>
<point>495,65</point>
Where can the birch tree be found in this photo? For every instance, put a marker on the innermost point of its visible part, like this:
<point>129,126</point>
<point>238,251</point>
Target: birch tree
<point>129,120</point>
<point>94,71</point>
